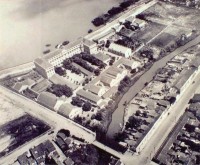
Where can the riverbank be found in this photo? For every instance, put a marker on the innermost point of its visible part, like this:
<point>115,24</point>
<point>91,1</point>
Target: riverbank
<point>37,23</point>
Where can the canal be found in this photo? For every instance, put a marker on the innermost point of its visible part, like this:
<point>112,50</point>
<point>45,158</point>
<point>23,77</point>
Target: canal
<point>118,115</point>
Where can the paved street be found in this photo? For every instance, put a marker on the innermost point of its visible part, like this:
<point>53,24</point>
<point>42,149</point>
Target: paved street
<point>165,127</point>
<point>50,117</point>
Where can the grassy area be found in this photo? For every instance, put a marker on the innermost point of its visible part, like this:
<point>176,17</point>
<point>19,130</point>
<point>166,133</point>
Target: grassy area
<point>20,131</point>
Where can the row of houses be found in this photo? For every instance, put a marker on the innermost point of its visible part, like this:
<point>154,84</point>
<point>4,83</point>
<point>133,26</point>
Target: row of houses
<point>154,102</point>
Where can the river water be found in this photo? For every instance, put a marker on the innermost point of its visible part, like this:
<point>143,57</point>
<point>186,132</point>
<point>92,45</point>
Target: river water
<point>26,26</point>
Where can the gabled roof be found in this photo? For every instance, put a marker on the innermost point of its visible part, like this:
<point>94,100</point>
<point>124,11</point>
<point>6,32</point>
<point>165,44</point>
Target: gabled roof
<point>93,88</point>
<point>129,63</point>
<point>106,79</point>
<point>88,95</point>
<point>119,48</point>
<point>49,146</point>
<point>114,71</point>
<point>38,151</point>
<point>47,99</point>
<point>65,109</point>
<point>28,82</point>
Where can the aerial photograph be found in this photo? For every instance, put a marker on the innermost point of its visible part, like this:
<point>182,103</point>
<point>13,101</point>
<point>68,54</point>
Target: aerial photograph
<point>100,82</point>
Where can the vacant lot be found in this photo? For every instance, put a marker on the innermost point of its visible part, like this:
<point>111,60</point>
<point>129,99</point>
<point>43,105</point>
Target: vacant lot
<point>148,32</point>
<point>8,110</point>
<point>163,40</point>
<point>19,131</point>
<point>166,13</point>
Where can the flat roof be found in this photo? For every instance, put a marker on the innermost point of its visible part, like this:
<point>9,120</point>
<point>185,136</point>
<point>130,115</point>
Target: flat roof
<point>42,63</point>
<point>101,56</point>
<point>52,54</point>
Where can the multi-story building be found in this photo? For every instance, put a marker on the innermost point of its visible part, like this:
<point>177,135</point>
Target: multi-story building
<point>45,65</point>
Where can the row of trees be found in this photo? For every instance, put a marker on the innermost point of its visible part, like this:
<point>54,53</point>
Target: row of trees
<point>82,63</point>
<point>124,83</point>
<point>60,90</point>
<point>112,12</point>
<point>77,101</point>
<point>93,60</point>
<point>67,64</point>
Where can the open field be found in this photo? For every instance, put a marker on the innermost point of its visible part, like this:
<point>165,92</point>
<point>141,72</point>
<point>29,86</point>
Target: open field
<point>9,111</point>
<point>163,39</point>
<point>167,13</point>
<point>148,32</point>
<point>19,131</point>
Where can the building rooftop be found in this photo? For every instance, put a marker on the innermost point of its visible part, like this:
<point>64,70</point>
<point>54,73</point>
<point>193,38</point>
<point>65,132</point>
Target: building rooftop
<point>185,75</point>
<point>22,159</point>
<point>119,48</point>
<point>41,86</point>
<point>43,63</point>
<point>101,56</point>
<point>28,82</point>
<point>88,42</point>
<point>93,88</point>
<point>52,54</point>
<point>75,43</point>
<point>106,79</point>
<point>57,79</point>
<point>65,109</point>
<point>110,92</point>
<point>129,63</point>
<point>88,95</point>
<point>114,71</point>
<point>47,99</point>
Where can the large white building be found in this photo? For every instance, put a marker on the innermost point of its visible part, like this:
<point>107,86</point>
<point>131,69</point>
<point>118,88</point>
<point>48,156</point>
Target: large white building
<point>120,50</point>
<point>45,65</point>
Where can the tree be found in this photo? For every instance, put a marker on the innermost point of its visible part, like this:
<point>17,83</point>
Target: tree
<point>60,90</point>
<point>134,122</point>
<point>60,71</point>
<point>120,136</point>
<point>97,72</point>
<point>65,131</point>
<point>77,101</point>
<point>87,106</point>
<point>98,21</point>
<point>98,116</point>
